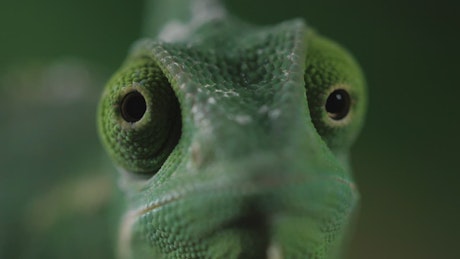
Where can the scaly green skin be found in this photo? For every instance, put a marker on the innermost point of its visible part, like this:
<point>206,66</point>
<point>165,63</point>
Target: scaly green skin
<point>235,155</point>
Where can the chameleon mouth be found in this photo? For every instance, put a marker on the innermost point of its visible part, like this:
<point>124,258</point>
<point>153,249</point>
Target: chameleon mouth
<point>268,183</point>
<point>246,214</point>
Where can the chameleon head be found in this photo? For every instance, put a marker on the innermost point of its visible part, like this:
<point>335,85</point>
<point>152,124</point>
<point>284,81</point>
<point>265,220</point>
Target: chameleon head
<point>235,143</point>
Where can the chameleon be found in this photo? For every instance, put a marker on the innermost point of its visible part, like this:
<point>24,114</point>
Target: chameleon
<point>232,140</point>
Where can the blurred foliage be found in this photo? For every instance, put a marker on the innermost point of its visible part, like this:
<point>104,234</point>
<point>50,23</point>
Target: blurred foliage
<point>405,160</point>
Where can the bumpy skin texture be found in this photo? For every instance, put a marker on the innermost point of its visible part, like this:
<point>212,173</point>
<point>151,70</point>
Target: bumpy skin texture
<point>253,167</point>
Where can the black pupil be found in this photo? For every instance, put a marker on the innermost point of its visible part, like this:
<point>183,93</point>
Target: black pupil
<point>338,104</point>
<point>133,107</point>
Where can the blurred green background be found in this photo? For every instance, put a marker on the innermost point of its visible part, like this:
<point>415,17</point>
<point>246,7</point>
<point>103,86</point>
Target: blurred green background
<point>406,160</point>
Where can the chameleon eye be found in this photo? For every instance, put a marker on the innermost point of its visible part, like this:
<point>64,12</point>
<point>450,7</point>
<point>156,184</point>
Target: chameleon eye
<point>335,90</point>
<point>140,120</point>
<point>338,104</point>
<point>133,107</point>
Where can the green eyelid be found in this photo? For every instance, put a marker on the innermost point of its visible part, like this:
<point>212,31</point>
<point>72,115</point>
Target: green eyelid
<point>335,92</point>
<point>139,117</point>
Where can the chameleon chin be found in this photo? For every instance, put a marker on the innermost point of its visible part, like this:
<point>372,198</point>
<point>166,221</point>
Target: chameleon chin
<point>233,139</point>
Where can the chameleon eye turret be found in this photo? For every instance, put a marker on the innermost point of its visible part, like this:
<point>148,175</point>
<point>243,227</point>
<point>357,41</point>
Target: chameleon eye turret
<point>141,120</point>
<point>336,93</point>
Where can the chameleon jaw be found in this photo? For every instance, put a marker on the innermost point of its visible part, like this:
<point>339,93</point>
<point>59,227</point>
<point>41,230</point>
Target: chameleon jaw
<point>246,192</point>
